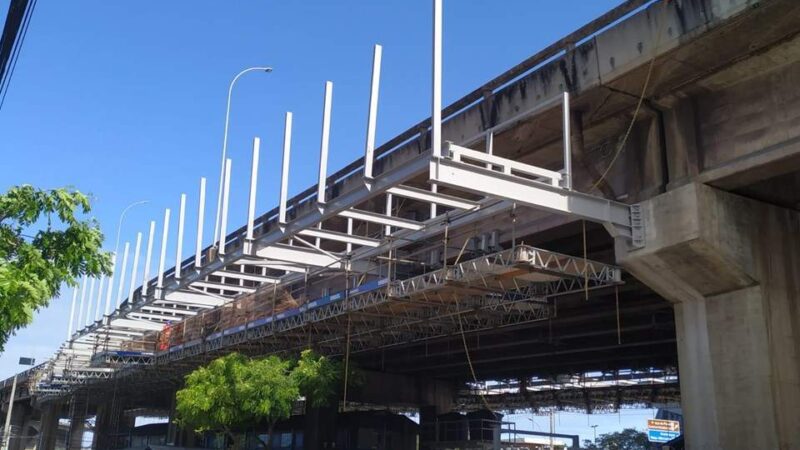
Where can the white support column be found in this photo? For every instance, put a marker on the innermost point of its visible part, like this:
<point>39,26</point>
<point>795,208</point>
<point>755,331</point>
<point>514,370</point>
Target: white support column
<point>226,194</point>
<point>124,267</point>
<point>369,153</point>
<point>88,317</point>
<point>148,258</point>
<point>287,146</point>
<point>115,273</point>
<point>80,305</point>
<point>388,228</point>
<point>567,145</point>
<point>251,207</point>
<point>489,146</point>
<point>99,297</point>
<point>72,312</point>
<point>134,269</point>
<point>434,190</point>
<point>162,260</point>
<point>350,233</point>
<point>201,209</point>
<point>323,146</point>
<point>436,98</point>
<point>179,249</point>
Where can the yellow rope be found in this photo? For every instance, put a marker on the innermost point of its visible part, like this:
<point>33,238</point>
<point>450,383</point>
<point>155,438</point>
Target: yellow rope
<point>641,98</point>
<point>466,352</point>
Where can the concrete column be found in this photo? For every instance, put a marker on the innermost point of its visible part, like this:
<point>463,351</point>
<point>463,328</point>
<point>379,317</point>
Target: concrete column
<point>77,417</point>
<point>731,266</point>
<point>320,428</point>
<point>49,426</point>
<point>107,423</point>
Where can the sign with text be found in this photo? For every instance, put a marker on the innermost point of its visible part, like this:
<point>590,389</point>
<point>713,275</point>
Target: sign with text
<point>659,430</point>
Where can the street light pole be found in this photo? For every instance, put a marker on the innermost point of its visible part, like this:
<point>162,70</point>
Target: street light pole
<point>116,249</point>
<point>225,144</point>
<point>594,428</point>
<point>6,442</point>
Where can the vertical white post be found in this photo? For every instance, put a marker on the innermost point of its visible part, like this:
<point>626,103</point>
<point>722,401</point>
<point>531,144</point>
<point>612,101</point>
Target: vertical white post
<point>201,210</point>
<point>372,117</point>
<point>287,147</point>
<point>179,249</point>
<point>147,258</point>
<point>489,145</point>
<point>80,305</point>
<point>434,189</point>
<point>72,312</point>
<point>99,297</point>
<point>349,232</point>
<point>122,274</point>
<point>162,259</point>
<point>567,145</point>
<point>388,230</point>
<point>436,99</point>
<point>323,146</point>
<point>115,273</point>
<point>226,194</point>
<point>7,427</point>
<point>134,270</point>
<point>251,208</point>
<point>88,317</point>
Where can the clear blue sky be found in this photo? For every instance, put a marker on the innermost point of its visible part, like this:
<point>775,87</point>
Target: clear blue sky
<point>126,100</point>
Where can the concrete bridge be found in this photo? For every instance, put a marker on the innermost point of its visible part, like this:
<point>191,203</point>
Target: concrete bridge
<point>662,232</point>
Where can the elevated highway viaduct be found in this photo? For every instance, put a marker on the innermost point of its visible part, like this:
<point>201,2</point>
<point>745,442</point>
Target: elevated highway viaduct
<point>689,110</point>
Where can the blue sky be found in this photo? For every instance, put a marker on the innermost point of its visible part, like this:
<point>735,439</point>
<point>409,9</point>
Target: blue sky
<point>126,100</point>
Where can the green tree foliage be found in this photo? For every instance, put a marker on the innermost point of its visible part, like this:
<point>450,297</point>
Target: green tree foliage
<point>43,244</point>
<point>627,439</point>
<point>234,392</point>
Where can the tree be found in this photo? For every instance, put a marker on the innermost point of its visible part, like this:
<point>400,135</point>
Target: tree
<point>43,244</point>
<point>235,392</point>
<point>627,439</point>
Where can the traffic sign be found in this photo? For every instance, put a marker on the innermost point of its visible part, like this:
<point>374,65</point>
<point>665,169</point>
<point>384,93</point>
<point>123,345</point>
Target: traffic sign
<point>663,425</point>
<point>661,435</point>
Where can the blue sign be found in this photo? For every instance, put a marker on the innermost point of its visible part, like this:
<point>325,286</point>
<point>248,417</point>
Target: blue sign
<point>661,435</point>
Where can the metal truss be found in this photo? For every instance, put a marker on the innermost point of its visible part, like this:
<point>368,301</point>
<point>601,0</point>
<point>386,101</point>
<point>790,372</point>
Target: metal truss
<point>587,392</point>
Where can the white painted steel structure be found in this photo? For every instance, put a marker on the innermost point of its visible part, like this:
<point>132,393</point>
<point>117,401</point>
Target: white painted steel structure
<point>272,249</point>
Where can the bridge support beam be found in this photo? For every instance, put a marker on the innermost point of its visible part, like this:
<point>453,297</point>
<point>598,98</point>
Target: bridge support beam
<point>730,265</point>
<point>77,420</point>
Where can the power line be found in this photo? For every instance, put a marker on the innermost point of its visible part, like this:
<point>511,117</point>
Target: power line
<point>16,28</point>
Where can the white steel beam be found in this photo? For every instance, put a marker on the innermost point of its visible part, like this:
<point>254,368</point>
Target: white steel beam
<point>368,216</point>
<point>372,117</point>
<point>201,209</point>
<point>147,259</point>
<point>99,297</point>
<point>124,267</point>
<point>88,317</point>
<point>432,197</point>
<point>162,260</point>
<point>246,276</point>
<point>615,216</point>
<point>136,324</point>
<point>223,287</point>
<point>303,256</point>
<point>190,298</point>
<point>287,147</point>
<point>135,267</point>
<point>285,266</point>
<point>340,237</point>
<point>567,145</point>
<point>72,311</point>
<point>181,311</point>
<point>251,207</point>
<point>151,316</point>
<point>115,274</point>
<point>179,247</point>
<point>436,97</point>
<point>226,193</point>
<point>324,142</point>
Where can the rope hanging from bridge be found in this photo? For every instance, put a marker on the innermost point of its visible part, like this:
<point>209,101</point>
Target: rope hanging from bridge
<point>640,101</point>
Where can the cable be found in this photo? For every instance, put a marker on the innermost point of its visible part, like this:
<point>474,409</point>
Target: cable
<point>17,50</point>
<point>469,359</point>
<point>639,102</point>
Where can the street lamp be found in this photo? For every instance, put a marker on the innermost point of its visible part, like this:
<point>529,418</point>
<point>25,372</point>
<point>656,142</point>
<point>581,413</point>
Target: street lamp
<point>116,250</point>
<point>225,143</point>
<point>594,428</point>
<point>7,428</point>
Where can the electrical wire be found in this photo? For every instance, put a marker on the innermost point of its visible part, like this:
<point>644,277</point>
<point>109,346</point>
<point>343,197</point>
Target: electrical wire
<point>639,102</point>
<point>16,51</point>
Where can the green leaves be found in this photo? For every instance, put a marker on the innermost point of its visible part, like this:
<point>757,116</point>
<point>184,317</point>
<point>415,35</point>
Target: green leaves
<point>43,244</point>
<point>235,392</point>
